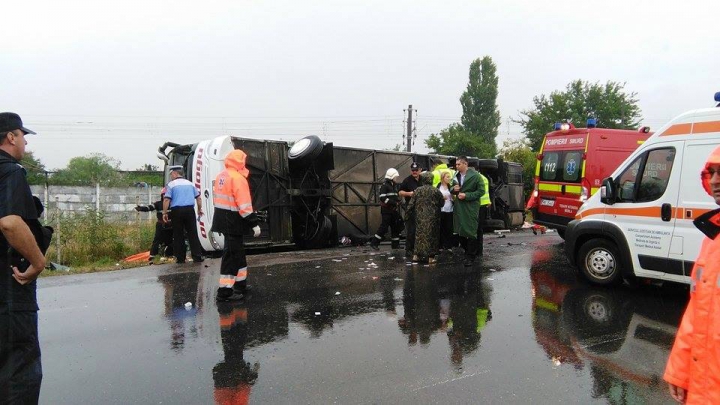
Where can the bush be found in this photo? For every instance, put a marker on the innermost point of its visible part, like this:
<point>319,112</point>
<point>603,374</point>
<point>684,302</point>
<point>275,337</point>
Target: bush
<point>88,239</point>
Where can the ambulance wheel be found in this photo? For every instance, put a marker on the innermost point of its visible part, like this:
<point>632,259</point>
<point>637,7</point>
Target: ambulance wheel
<point>488,164</point>
<point>599,262</point>
<point>304,151</point>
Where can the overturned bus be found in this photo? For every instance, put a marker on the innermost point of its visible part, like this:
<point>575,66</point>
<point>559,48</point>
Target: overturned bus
<point>311,193</point>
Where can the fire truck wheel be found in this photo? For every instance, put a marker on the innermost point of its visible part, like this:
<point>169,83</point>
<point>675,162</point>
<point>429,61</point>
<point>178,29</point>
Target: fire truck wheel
<point>304,151</point>
<point>488,164</point>
<point>599,262</point>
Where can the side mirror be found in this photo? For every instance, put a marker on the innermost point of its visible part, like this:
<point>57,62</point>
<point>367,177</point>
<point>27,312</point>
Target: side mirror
<point>607,191</point>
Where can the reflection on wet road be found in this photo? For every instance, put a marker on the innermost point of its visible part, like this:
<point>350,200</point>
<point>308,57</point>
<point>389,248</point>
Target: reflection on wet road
<point>358,328</point>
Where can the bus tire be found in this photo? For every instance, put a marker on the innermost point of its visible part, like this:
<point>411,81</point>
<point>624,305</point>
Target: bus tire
<point>304,151</point>
<point>599,262</point>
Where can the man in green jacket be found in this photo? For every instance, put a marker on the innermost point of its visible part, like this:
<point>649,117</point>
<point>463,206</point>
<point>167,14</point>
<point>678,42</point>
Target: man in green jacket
<point>468,190</point>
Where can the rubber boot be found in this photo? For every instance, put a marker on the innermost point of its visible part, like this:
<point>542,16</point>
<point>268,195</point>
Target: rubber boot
<point>375,243</point>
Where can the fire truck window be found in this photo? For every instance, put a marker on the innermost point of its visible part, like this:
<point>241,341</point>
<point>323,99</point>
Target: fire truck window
<point>571,166</point>
<point>626,181</point>
<point>656,174</point>
<point>549,166</point>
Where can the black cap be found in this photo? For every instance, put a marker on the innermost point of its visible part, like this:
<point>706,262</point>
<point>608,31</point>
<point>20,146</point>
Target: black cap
<point>10,122</point>
<point>414,166</point>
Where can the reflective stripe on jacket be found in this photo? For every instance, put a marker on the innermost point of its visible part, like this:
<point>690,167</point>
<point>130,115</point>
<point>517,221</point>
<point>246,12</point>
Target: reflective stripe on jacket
<point>234,212</point>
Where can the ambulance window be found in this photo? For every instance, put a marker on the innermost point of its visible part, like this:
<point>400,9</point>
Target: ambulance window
<point>656,174</point>
<point>549,166</point>
<point>626,181</point>
<point>571,166</point>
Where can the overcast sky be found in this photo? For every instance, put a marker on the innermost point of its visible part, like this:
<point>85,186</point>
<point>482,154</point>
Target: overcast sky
<point>123,77</point>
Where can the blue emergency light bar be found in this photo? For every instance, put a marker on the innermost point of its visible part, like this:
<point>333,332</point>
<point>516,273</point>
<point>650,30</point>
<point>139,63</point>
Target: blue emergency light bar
<point>591,122</point>
<point>717,98</point>
<point>557,126</point>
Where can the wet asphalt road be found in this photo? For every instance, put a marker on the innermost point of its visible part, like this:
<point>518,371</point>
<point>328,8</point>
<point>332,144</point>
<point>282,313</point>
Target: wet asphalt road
<point>329,326</point>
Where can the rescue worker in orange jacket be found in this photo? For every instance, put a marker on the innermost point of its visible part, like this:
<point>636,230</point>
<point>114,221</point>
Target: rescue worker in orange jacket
<point>693,369</point>
<point>233,217</point>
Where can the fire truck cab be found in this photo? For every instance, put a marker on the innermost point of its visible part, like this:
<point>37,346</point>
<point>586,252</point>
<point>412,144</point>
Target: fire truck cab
<point>571,166</point>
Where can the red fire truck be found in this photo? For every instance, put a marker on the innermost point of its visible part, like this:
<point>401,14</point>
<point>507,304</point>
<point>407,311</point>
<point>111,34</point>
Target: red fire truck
<point>572,164</point>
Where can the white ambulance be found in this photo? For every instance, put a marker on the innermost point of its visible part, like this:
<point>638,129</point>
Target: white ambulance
<point>640,224</point>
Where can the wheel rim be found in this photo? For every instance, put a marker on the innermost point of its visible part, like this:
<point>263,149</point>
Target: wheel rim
<point>596,310</point>
<point>600,264</point>
<point>299,147</point>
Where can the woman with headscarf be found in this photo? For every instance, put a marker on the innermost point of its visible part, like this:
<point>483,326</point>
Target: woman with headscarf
<point>426,204</point>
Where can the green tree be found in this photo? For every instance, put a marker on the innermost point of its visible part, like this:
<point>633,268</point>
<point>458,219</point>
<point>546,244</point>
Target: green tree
<point>479,102</point>
<point>519,150</point>
<point>34,167</point>
<point>475,134</point>
<point>609,103</point>
<point>89,170</point>
<point>455,140</point>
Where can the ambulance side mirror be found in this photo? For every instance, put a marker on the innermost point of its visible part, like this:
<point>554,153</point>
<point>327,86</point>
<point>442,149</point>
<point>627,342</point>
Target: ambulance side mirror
<point>607,191</point>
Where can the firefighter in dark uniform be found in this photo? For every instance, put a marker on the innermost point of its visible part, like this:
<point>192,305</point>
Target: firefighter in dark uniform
<point>407,190</point>
<point>233,217</point>
<point>23,243</point>
<point>389,210</point>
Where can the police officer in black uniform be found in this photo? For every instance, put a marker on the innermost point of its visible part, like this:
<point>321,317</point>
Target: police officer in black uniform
<point>407,190</point>
<point>389,210</point>
<point>22,245</point>
<point>163,230</point>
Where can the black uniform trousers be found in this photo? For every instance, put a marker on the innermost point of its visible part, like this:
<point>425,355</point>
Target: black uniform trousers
<point>482,218</point>
<point>448,240</point>
<point>20,366</point>
<point>163,236</point>
<point>233,258</point>
<point>393,221</point>
<point>184,221</point>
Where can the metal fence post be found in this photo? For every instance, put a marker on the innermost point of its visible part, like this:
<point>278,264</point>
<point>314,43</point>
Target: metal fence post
<point>57,229</point>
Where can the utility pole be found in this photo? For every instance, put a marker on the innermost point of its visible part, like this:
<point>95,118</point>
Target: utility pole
<point>409,129</point>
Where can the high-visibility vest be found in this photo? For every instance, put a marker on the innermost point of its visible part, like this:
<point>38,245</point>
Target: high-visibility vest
<point>438,171</point>
<point>485,198</point>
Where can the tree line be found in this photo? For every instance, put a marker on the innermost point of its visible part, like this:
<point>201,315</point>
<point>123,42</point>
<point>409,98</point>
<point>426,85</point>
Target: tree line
<point>609,103</point>
<point>90,170</point>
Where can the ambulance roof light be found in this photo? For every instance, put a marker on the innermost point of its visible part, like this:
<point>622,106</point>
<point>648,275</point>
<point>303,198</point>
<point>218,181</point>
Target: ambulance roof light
<point>557,126</point>
<point>717,98</point>
<point>591,122</point>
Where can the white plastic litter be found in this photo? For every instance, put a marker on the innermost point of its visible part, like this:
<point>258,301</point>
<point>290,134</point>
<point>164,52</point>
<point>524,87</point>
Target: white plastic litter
<point>317,313</point>
<point>337,260</point>
<point>391,257</point>
<point>117,264</point>
<point>493,270</point>
<point>317,267</point>
<point>337,292</point>
<point>397,279</point>
<point>188,305</point>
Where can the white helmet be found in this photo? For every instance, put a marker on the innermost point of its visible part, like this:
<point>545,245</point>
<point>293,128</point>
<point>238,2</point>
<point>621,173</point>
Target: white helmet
<point>391,174</point>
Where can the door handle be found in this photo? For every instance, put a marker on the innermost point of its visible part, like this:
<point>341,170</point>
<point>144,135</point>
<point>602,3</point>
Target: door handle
<point>666,212</point>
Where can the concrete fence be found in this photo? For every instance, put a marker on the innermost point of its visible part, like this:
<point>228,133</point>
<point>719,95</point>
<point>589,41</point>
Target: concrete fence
<point>116,203</point>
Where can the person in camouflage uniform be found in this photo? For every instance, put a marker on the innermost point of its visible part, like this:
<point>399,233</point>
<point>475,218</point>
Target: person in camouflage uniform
<point>426,204</point>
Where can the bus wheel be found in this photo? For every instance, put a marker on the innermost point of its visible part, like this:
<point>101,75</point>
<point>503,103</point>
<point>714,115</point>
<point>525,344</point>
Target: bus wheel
<point>304,151</point>
<point>598,261</point>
